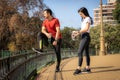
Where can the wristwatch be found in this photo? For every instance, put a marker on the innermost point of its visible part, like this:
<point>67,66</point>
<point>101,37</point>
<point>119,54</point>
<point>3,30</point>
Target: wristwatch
<point>55,40</point>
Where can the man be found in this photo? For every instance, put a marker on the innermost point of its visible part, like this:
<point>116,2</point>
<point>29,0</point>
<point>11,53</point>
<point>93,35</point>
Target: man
<point>51,34</point>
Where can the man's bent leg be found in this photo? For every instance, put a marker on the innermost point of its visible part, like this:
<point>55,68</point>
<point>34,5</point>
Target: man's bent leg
<point>42,38</point>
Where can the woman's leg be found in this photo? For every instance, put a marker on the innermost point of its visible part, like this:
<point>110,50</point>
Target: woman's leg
<point>80,55</point>
<point>87,68</point>
<point>80,51</point>
<point>87,56</point>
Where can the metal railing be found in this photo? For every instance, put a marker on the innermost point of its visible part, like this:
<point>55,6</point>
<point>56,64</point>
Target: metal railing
<point>24,66</point>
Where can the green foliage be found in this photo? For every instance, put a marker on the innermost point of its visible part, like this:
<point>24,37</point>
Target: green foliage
<point>116,12</point>
<point>67,42</point>
<point>95,36</point>
<point>111,35</point>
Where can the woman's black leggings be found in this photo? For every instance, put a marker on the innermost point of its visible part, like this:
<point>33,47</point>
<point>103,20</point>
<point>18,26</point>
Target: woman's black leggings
<point>84,46</point>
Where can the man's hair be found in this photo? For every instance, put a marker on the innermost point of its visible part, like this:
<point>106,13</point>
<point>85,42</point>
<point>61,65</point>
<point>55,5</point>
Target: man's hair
<point>49,11</point>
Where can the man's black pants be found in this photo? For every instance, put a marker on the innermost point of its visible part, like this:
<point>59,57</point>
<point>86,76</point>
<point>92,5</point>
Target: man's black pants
<point>47,42</point>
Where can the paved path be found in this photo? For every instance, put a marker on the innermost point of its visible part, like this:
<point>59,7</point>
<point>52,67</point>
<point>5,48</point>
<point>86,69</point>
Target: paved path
<point>103,68</point>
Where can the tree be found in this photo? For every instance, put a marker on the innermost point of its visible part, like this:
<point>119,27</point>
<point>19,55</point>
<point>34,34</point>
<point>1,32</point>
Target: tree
<point>116,12</point>
<point>18,27</point>
<point>67,41</point>
<point>6,12</point>
<point>95,36</point>
<point>111,37</point>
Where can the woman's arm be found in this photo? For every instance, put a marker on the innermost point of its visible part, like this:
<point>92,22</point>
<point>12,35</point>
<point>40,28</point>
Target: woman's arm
<point>85,29</point>
<point>76,33</point>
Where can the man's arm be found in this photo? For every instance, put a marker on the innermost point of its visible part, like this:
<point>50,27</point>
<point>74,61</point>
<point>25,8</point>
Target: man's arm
<point>45,32</point>
<point>57,33</point>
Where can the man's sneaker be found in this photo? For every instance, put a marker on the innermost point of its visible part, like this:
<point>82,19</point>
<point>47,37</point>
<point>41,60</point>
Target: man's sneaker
<point>40,50</point>
<point>37,50</point>
<point>86,70</point>
<point>77,71</point>
<point>57,70</point>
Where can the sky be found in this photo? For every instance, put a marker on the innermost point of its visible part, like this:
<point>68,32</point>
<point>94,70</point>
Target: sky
<point>67,10</point>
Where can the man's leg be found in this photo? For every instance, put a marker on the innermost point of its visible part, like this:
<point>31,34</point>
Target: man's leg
<point>57,49</point>
<point>42,38</point>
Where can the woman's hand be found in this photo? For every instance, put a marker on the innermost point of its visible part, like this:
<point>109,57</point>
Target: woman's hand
<point>75,33</point>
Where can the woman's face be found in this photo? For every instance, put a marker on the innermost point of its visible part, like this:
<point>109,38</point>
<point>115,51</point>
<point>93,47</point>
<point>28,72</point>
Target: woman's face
<point>82,14</point>
<point>46,15</point>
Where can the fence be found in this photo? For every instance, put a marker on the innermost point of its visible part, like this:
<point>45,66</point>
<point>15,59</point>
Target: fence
<point>24,66</point>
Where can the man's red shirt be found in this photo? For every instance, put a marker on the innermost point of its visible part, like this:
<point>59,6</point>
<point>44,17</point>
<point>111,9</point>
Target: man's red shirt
<point>51,25</point>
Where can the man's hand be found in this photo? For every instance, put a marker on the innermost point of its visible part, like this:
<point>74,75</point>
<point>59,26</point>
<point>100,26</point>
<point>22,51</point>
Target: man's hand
<point>55,43</point>
<point>49,35</point>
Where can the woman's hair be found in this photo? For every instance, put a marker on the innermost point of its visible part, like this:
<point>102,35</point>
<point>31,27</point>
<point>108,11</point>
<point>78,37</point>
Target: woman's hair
<point>85,12</point>
<point>49,11</point>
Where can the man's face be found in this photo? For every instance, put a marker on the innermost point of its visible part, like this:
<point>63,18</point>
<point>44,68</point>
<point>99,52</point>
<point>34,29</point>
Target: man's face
<point>46,15</point>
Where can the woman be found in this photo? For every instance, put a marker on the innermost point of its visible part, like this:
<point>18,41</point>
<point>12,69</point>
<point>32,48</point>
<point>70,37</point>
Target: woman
<point>85,40</point>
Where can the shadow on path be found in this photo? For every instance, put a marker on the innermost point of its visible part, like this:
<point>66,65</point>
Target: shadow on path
<point>106,69</point>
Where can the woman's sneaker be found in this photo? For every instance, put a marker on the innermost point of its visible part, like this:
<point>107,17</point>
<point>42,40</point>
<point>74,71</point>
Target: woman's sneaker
<point>86,70</point>
<point>77,71</point>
